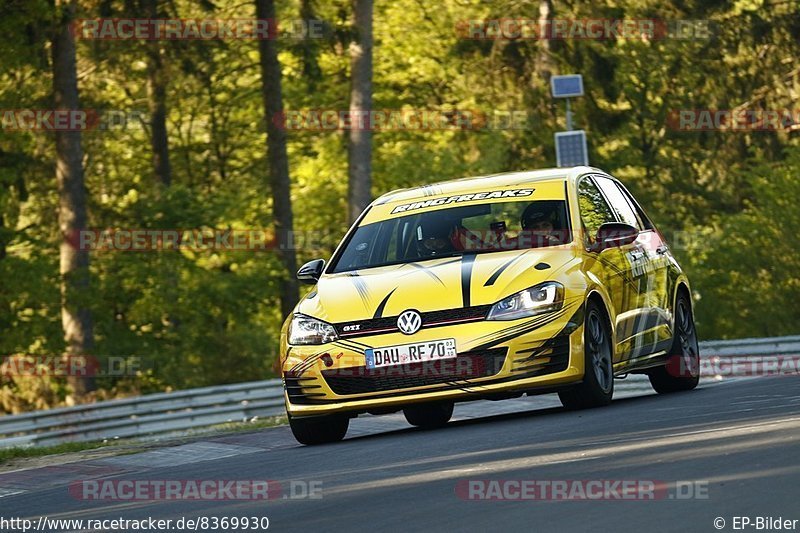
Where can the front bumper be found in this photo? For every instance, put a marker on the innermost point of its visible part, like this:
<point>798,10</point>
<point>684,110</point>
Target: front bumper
<point>494,358</point>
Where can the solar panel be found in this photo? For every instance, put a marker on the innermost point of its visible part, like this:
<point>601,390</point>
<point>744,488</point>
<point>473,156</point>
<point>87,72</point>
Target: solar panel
<point>567,86</point>
<point>571,148</point>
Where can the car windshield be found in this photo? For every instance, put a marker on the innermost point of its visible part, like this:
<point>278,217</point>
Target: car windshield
<point>454,231</point>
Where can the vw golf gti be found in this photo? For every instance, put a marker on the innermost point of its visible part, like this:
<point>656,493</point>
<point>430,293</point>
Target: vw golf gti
<point>551,281</point>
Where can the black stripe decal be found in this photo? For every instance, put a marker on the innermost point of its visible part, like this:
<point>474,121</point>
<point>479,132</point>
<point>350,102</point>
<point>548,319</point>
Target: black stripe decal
<point>521,329</point>
<point>446,263</point>
<point>304,365</point>
<point>360,286</point>
<point>466,277</point>
<point>449,262</point>
<point>427,271</point>
<point>501,269</point>
<point>352,345</point>
<point>512,330</point>
<point>382,305</point>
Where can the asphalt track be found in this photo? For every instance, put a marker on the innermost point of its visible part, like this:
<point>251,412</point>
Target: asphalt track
<point>740,440</point>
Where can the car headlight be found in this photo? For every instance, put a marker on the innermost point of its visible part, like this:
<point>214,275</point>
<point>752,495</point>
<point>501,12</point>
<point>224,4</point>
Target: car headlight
<point>307,330</point>
<point>539,299</point>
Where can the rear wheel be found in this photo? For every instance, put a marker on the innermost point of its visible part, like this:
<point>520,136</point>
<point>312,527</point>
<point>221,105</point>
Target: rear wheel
<point>682,371</point>
<point>319,429</point>
<point>597,386</point>
<point>429,416</point>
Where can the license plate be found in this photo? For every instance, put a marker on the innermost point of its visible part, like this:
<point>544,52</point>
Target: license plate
<point>417,352</point>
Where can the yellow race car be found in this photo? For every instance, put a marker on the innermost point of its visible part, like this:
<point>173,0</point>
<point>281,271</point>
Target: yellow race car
<point>551,281</point>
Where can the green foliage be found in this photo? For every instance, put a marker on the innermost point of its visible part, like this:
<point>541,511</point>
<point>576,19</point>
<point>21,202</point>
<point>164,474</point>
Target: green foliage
<point>7,455</point>
<point>746,272</point>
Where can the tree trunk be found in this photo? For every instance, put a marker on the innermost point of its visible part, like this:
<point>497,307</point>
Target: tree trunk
<point>359,149</point>
<point>2,237</point>
<point>309,48</point>
<point>157,105</point>
<point>544,61</point>
<point>74,263</point>
<point>277,159</point>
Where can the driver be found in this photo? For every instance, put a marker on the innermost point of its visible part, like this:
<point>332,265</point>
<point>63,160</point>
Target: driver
<point>539,222</point>
<point>434,240</point>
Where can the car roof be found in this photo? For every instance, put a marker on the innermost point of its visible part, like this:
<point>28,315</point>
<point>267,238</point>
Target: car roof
<point>491,181</point>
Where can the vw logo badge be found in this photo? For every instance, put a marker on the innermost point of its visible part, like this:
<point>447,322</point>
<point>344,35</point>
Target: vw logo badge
<point>409,322</point>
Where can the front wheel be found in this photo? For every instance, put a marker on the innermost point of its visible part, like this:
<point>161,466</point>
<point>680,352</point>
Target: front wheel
<point>319,429</point>
<point>597,386</point>
<point>429,416</point>
<point>682,371</point>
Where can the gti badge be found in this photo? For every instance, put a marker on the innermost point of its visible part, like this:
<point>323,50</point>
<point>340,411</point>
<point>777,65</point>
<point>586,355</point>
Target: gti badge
<point>409,322</point>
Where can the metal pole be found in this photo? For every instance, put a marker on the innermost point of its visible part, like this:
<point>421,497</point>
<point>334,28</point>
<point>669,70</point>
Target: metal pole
<point>569,116</point>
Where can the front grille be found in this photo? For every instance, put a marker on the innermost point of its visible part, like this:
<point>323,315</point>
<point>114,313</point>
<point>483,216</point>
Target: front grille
<point>467,365</point>
<point>458,314</point>
<point>429,319</point>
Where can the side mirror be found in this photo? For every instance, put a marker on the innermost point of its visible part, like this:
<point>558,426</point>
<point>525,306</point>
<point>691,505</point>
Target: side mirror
<point>614,235</point>
<point>311,271</point>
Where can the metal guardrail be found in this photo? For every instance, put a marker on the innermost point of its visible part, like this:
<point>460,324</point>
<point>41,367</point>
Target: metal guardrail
<point>149,414</point>
<point>208,406</point>
<point>743,347</point>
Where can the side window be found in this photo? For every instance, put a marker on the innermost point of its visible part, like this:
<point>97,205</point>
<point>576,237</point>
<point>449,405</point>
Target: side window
<point>618,202</point>
<point>594,210</point>
<point>646,222</point>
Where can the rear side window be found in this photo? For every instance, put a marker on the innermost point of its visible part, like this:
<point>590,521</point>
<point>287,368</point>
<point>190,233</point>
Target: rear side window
<point>619,202</point>
<point>646,222</point>
<point>593,208</point>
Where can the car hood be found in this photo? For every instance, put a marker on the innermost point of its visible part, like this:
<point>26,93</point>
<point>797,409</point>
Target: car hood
<point>431,285</point>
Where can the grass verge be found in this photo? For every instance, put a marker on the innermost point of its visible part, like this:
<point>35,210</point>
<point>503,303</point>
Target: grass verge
<point>129,446</point>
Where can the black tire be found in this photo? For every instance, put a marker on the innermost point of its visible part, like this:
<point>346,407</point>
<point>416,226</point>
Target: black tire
<point>319,429</point>
<point>597,387</point>
<point>682,370</point>
<point>429,415</point>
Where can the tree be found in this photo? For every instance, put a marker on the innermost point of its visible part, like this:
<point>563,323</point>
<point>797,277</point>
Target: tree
<point>544,63</point>
<point>157,103</point>
<point>277,159</point>
<point>309,48</point>
<point>74,263</point>
<point>359,148</point>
